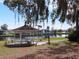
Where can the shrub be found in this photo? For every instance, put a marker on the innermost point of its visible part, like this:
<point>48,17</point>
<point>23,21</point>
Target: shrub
<point>73,36</point>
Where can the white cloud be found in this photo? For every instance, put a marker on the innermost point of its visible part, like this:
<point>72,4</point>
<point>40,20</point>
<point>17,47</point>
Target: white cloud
<point>1,1</point>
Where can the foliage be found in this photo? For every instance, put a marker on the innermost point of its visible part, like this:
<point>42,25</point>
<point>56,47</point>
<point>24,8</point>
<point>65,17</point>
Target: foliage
<point>37,10</point>
<point>31,10</point>
<point>34,10</point>
<point>66,10</point>
<point>4,27</point>
<point>73,36</point>
<point>70,30</point>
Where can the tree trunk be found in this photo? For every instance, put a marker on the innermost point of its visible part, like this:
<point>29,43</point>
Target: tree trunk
<point>77,21</point>
<point>48,40</point>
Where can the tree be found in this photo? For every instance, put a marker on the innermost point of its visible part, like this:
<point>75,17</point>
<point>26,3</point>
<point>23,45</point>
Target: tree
<point>4,27</point>
<point>60,32</point>
<point>31,10</point>
<point>67,10</point>
<point>37,10</point>
<point>70,30</point>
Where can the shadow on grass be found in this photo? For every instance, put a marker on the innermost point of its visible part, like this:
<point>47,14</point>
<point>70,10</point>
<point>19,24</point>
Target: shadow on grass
<point>19,45</point>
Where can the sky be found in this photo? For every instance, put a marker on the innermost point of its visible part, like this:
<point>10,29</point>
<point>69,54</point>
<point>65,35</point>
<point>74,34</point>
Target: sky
<point>7,17</point>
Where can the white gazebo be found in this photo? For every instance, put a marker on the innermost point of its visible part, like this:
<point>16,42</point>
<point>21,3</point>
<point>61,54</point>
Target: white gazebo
<point>24,33</point>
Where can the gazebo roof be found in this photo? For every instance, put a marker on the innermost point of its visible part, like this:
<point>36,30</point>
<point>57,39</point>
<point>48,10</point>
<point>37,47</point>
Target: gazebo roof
<point>25,27</point>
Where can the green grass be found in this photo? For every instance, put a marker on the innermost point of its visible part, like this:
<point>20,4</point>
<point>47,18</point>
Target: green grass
<point>12,51</point>
<point>51,39</point>
<point>5,50</point>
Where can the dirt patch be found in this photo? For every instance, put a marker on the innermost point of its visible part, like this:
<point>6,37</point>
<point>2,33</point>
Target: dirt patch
<point>64,52</point>
<point>43,52</point>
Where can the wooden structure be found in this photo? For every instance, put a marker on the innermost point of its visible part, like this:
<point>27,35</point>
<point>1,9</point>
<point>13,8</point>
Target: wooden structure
<point>23,34</point>
<point>27,30</point>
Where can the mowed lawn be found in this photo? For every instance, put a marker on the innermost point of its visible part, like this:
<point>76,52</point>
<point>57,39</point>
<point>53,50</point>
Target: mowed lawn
<point>5,50</point>
<point>25,50</point>
<point>51,39</point>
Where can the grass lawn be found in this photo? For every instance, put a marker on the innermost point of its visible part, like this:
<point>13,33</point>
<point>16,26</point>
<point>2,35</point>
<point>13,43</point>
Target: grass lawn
<point>51,39</point>
<point>18,50</point>
<point>8,51</point>
<point>43,50</point>
<point>5,50</point>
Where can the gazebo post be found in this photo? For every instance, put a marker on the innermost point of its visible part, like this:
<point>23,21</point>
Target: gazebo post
<point>14,37</point>
<point>21,38</point>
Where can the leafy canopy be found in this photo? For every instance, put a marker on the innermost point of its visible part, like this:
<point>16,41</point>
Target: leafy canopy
<point>31,10</point>
<point>34,10</point>
<point>66,10</point>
